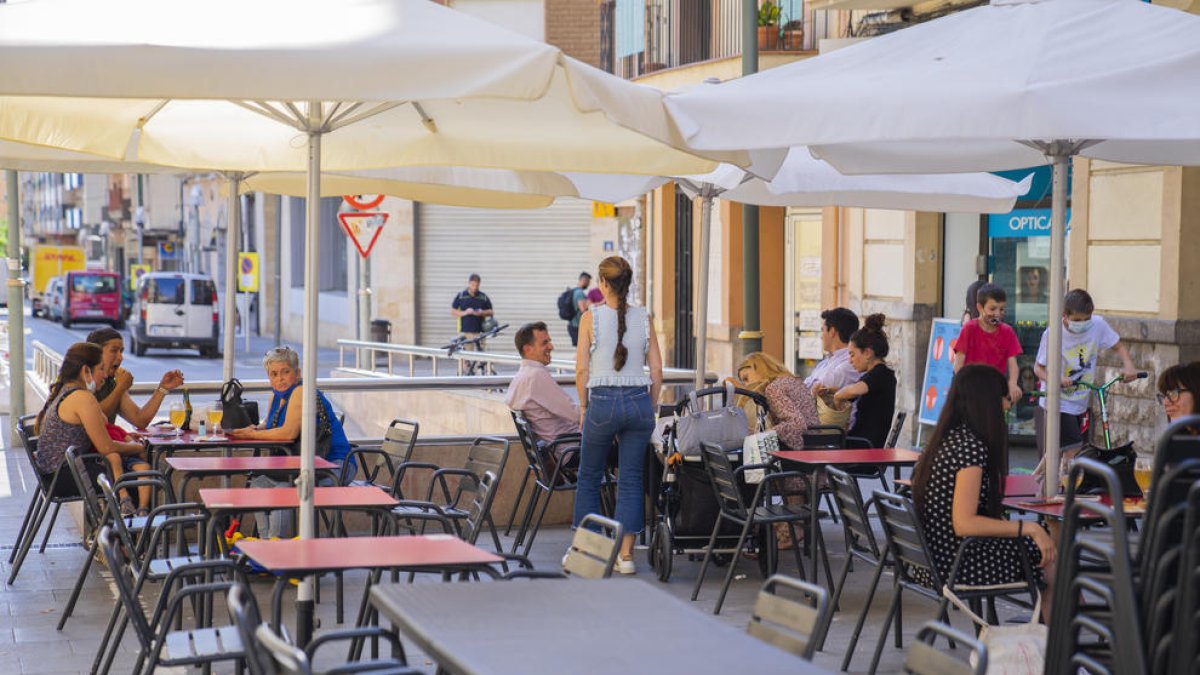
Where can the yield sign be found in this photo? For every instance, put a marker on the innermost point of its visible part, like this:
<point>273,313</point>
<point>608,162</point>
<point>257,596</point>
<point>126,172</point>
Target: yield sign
<point>363,228</point>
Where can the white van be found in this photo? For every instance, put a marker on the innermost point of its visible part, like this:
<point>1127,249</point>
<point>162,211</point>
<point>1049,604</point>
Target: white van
<point>173,309</point>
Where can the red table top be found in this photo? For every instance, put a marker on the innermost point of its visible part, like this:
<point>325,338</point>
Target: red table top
<point>239,464</point>
<point>287,498</point>
<point>836,457</point>
<point>1021,485</point>
<point>191,438</point>
<point>1134,508</point>
<point>312,555</point>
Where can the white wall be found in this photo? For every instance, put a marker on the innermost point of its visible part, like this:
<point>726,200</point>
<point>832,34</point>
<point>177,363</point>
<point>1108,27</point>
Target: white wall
<point>527,17</point>
<point>959,255</point>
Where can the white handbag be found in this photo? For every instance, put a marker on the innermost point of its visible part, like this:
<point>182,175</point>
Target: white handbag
<point>1015,649</point>
<point>756,449</point>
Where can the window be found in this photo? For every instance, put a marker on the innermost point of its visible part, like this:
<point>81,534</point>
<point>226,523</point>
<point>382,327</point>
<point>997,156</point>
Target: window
<point>165,290</point>
<point>93,284</point>
<point>332,240</point>
<point>202,292</point>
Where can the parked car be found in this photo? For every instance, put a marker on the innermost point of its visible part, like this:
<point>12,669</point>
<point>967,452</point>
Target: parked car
<point>175,310</point>
<point>91,295</point>
<point>53,299</point>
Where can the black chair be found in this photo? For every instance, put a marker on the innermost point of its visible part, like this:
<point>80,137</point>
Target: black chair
<point>925,659</point>
<point>856,526</point>
<point>1184,654</point>
<point>761,511</point>
<point>376,464</point>
<point>159,645</point>
<point>53,489</point>
<point>796,620</point>
<point>893,436</point>
<point>562,453</point>
<point>824,437</point>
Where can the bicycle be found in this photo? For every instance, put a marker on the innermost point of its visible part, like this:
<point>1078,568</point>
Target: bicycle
<point>461,342</point>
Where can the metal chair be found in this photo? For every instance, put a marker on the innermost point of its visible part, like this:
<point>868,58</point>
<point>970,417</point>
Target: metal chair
<point>856,526</point>
<point>1184,654</point>
<point>726,483</point>
<point>377,463</point>
<point>594,548</point>
<point>546,481</point>
<point>797,625</point>
<point>893,436</point>
<point>925,659</point>
<point>824,437</point>
<point>161,646</point>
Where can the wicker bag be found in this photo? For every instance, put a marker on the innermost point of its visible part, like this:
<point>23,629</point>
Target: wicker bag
<point>829,412</point>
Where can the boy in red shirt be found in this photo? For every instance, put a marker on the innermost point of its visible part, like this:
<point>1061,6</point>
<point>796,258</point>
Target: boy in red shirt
<point>989,340</point>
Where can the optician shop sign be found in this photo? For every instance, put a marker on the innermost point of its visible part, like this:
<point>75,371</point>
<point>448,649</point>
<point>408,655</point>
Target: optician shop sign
<point>1021,223</point>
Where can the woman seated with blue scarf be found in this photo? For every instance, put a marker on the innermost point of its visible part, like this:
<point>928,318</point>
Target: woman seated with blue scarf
<point>283,424</point>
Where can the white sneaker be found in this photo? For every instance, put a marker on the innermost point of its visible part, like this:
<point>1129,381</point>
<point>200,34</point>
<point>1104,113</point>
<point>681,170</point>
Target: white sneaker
<point>625,565</point>
<point>566,556</point>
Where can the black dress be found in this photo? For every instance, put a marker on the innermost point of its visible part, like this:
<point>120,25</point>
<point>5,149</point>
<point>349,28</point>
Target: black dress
<point>874,409</point>
<point>993,560</point>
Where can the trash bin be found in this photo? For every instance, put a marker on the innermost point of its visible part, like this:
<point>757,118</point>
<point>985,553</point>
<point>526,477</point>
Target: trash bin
<point>381,330</point>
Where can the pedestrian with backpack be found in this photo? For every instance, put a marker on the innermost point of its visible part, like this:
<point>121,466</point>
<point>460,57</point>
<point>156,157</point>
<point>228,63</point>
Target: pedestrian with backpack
<point>572,303</point>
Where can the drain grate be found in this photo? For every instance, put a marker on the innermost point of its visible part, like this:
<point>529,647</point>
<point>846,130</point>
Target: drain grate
<point>9,547</point>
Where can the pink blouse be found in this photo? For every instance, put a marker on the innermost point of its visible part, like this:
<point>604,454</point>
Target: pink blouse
<point>793,410</point>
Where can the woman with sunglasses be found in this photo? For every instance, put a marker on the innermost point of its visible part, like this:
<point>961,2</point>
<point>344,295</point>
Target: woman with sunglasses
<point>1175,390</point>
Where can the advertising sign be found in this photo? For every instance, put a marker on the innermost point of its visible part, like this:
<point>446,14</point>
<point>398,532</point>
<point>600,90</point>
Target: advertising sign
<point>248,272</point>
<point>167,251</point>
<point>1021,223</point>
<point>939,369</point>
<point>136,272</point>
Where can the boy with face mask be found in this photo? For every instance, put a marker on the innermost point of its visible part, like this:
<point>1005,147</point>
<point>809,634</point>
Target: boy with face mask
<point>1085,335</point>
<point>988,340</point>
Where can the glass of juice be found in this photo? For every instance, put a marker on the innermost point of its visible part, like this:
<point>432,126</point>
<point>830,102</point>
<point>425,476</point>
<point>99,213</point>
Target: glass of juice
<point>1142,468</point>
<point>178,415</point>
<point>214,418</point>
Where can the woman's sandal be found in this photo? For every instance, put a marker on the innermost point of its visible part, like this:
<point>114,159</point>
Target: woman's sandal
<point>127,507</point>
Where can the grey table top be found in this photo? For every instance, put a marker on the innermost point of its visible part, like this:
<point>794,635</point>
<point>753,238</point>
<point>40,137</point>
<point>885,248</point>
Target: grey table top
<point>576,626</point>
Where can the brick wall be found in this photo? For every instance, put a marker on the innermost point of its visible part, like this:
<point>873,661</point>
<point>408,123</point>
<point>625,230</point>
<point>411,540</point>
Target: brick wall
<point>574,27</point>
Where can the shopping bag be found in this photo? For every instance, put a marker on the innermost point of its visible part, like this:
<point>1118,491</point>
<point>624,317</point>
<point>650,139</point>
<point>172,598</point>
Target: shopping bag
<point>756,449</point>
<point>1012,649</point>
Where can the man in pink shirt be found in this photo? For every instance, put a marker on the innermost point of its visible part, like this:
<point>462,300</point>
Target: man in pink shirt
<point>989,340</point>
<point>549,408</point>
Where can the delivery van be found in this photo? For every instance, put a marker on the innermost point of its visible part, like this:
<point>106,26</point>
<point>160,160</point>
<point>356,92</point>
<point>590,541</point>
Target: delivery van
<point>175,310</point>
<point>49,262</point>
<point>92,295</point>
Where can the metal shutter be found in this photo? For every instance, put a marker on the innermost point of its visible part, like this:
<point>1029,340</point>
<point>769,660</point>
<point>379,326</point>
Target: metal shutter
<point>526,258</point>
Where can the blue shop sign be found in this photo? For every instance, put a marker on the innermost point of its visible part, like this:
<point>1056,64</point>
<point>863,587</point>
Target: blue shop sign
<point>1021,223</point>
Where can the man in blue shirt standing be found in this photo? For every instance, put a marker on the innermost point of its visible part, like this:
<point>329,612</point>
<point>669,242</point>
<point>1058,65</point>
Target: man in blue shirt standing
<point>471,306</point>
<point>579,299</point>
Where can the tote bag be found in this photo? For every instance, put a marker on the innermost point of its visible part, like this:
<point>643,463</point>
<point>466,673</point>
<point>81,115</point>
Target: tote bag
<point>756,449</point>
<point>1013,649</point>
<point>724,426</point>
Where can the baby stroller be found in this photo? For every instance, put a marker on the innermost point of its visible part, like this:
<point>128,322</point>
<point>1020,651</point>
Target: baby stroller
<point>684,508</point>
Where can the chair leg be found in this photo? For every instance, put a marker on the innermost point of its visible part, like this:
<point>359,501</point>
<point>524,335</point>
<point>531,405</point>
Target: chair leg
<point>708,554</point>
<point>829,505</point>
<point>799,557</point>
<point>517,502</point>
<point>537,525</point>
<point>27,542</point>
<point>527,517</point>
<point>83,572</point>
<point>841,584</point>
<point>102,650</point>
<point>737,554</point>
<point>862,616</point>
<point>34,504</point>
<point>50,527</point>
<point>899,621</point>
<point>887,623</point>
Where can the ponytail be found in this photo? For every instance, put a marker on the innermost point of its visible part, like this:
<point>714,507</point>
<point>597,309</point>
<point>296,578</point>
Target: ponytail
<point>617,274</point>
<point>80,354</point>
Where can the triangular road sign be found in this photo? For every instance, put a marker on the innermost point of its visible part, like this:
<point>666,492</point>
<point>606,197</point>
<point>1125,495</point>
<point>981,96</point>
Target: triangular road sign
<point>363,228</point>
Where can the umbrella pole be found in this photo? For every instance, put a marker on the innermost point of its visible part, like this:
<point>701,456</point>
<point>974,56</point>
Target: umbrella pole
<point>706,204</point>
<point>1059,154</point>
<point>308,370</point>
<point>16,311</point>
<point>232,227</point>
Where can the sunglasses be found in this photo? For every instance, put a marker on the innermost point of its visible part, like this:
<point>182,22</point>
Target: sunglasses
<point>1171,395</point>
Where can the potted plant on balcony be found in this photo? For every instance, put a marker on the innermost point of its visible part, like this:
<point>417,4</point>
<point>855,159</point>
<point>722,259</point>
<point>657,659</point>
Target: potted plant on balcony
<point>793,35</point>
<point>768,25</point>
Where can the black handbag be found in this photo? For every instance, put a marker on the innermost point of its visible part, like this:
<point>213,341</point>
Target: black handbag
<point>1121,459</point>
<point>235,413</point>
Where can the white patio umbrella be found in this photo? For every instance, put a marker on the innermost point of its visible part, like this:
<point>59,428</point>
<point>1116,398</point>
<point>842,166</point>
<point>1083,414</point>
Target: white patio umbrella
<point>1014,84</point>
<point>306,85</point>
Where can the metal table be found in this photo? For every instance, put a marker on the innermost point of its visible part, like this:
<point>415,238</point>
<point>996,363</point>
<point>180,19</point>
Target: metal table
<point>573,626</point>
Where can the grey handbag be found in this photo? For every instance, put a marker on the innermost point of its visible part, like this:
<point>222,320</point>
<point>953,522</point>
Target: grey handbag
<point>725,426</point>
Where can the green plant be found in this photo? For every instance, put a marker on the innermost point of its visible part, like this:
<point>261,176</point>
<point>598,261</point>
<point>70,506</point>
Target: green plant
<point>768,14</point>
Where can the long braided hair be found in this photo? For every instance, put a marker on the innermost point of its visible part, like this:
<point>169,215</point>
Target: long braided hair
<point>617,274</point>
<point>79,356</point>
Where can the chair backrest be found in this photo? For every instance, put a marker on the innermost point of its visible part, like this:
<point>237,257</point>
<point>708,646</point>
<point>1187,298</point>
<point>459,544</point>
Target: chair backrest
<point>29,441</point>
<point>824,437</point>
<point>394,449</point>
<point>481,505</point>
<point>923,658</point>
<point>243,608</point>
<point>905,539</point>
<point>286,657</point>
<point>893,436</point>
<point>855,522</point>
<point>487,453</point>
<point>114,520</point>
<point>400,439</point>
<point>27,424</point>
<point>594,548</point>
<point>84,468</point>
<point>122,577</point>
<point>724,480</point>
<point>529,442</point>
<point>794,620</point>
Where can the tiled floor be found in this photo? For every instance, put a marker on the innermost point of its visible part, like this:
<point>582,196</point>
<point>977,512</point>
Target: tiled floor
<point>30,608</point>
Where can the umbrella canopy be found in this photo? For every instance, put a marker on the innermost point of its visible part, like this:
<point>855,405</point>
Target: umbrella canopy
<point>1013,84</point>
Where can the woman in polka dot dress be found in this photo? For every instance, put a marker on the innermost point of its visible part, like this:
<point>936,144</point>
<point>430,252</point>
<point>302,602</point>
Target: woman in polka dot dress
<point>957,488</point>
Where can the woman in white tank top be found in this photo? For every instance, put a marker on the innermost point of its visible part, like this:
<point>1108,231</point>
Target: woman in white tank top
<point>618,372</point>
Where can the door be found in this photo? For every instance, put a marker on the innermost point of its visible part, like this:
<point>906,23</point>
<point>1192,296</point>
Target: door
<point>802,290</point>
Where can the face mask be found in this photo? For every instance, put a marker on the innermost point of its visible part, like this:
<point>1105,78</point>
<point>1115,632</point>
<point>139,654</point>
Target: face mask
<point>993,320</point>
<point>91,382</point>
<point>1077,327</point>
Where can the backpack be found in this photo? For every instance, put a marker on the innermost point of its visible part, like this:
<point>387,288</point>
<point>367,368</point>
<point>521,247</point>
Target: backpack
<point>566,304</point>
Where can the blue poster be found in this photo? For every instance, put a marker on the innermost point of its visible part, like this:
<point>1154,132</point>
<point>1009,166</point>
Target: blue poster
<point>939,369</point>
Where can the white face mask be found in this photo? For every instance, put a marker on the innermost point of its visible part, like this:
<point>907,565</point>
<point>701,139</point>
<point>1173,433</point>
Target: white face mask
<point>1077,327</point>
<point>90,382</point>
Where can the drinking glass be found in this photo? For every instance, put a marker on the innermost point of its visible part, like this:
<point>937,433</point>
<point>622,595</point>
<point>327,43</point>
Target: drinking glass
<point>1142,468</point>
<point>214,418</point>
<point>178,414</point>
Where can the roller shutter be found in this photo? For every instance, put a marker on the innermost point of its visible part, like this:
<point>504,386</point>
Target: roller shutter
<point>526,259</point>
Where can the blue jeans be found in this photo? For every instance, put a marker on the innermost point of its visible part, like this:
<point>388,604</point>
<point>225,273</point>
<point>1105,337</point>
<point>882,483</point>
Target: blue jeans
<point>623,413</point>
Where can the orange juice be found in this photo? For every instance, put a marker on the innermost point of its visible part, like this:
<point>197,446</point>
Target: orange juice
<point>214,416</point>
<point>177,417</point>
